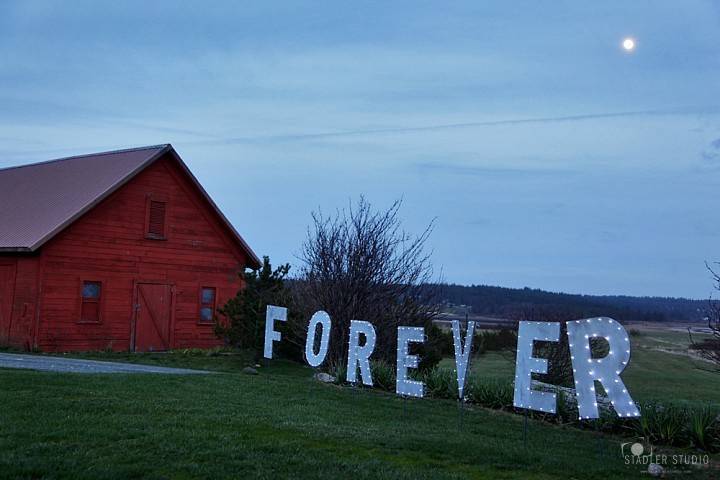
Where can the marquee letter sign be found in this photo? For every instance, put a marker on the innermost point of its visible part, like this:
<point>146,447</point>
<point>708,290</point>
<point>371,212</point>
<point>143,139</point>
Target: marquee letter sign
<point>586,369</point>
<point>273,313</point>
<point>605,370</point>
<point>462,354</point>
<point>360,355</point>
<point>323,319</point>
<point>403,385</point>
<point>526,365</point>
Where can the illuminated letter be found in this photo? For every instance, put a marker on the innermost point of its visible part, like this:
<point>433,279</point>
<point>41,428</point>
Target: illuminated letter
<point>526,365</point>
<point>323,319</point>
<point>462,355</point>
<point>403,386</point>
<point>360,355</point>
<point>606,370</point>
<point>271,314</point>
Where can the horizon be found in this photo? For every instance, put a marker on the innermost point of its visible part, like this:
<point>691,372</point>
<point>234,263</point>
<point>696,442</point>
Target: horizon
<point>550,157</point>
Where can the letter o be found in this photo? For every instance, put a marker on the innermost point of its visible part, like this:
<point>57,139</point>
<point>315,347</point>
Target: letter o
<point>322,318</point>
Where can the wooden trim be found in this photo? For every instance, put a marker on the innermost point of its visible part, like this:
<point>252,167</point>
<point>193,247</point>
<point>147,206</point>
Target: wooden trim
<point>100,302</point>
<point>6,335</point>
<point>171,333</point>
<point>134,308</point>
<point>39,299</point>
<point>199,320</point>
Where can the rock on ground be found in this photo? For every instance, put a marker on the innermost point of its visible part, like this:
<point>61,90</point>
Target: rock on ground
<point>324,377</point>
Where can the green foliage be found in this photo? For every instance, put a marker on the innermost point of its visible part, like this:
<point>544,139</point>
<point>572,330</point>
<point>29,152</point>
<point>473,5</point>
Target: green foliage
<point>207,352</point>
<point>383,374</point>
<point>339,371</point>
<point>704,428</point>
<point>444,340</point>
<point>496,340</point>
<point>490,393</point>
<point>662,424</point>
<point>242,319</point>
<point>431,351</point>
<point>441,383</point>
<point>567,411</point>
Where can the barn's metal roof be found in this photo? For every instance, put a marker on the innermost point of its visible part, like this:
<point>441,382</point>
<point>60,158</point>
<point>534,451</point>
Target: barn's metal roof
<point>38,201</point>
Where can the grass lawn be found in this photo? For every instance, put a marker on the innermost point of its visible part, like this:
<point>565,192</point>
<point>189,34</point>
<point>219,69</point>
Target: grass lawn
<point>280,424</point>
<point>283,424</point>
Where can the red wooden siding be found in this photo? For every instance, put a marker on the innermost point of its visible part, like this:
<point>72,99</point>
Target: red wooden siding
<point>18,299</point>
<point>7,290</point>
<point>111,245</point>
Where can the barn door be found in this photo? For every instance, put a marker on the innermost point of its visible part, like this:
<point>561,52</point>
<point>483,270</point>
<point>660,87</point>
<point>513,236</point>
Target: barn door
<point>153,316</point>
<point>7,287</point>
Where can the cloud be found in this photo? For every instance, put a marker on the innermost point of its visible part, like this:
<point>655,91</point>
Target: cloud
<point>289,137</point>
<point>450,168</point>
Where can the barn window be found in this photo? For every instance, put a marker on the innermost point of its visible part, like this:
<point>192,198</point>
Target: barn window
<point>207,304</point>
<point>155,224</point>
<point>91,295</point>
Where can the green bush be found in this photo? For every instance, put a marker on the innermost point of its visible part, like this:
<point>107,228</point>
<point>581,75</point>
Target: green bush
<point>704,428</point>
<point>339,371</point>
<point>383,375</point>
<point>490,393</point>
<point>662,424</point>
<point>567,412</point>
<point>441,383</point>
<point>431,350</point>
<point>444,341</point>
<point>241,321</point>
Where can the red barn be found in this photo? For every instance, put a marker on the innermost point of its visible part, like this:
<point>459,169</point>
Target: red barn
<point>121,250</point>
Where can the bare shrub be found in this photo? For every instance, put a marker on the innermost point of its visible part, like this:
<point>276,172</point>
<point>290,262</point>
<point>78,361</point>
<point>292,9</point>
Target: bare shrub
<point>709,348</point>
<point>360,265</point>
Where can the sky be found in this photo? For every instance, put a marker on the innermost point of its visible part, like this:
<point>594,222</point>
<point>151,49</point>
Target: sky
<point>547,155</point>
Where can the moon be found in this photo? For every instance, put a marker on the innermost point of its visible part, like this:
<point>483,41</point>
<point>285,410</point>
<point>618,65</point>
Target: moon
<point>628,44</point>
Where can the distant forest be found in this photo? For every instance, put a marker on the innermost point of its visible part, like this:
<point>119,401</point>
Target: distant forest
<point>513,302</point>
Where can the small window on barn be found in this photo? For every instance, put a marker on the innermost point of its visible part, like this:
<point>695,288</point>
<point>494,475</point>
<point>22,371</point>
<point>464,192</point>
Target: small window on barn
<point>91,294</point>
<point>207,304</point>
<point>155,225</point>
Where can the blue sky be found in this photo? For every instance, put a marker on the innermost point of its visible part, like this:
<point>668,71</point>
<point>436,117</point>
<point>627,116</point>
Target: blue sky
<point>549,157</point>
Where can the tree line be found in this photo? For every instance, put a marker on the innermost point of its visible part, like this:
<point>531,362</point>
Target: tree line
<point>504,302</point>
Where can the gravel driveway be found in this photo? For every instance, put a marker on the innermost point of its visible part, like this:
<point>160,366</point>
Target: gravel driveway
<point>59,364</point>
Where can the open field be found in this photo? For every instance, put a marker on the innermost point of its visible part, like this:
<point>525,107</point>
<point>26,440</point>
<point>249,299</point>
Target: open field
<point>660,367</point>
<point>284,424</point>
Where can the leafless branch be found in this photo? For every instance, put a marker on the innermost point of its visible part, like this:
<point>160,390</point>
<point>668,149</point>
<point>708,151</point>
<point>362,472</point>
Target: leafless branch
<point>360,265</point>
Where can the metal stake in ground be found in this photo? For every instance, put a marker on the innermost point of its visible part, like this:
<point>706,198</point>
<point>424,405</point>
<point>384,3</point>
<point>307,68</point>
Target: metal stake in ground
<point>461,413</point>
<point>525,429</point>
